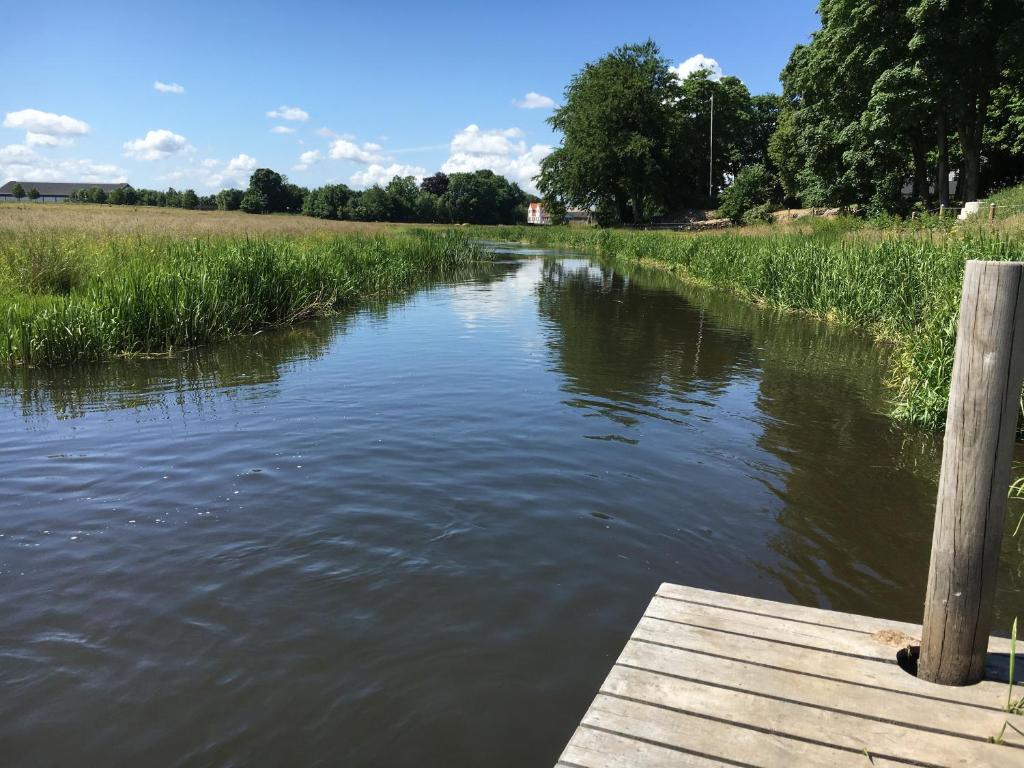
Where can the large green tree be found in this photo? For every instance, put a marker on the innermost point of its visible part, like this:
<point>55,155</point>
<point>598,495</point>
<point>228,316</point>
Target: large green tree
<point>963,48</point>
<point>620,130</point>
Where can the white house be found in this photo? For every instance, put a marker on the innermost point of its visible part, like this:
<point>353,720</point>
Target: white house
<point>536,214</point>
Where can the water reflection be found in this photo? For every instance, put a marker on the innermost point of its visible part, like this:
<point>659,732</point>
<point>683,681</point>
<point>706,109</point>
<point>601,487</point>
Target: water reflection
<point>412,534</point>
<point>853,492</point>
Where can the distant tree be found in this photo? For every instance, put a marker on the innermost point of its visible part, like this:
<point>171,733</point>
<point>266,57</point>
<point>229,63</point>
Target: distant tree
<point>189,199</point>
<point>266,187</point>
<point>18,191</point>
<point>375,204</point>
<point>403,192</point>
<point>33,194</point>
<point>427,207</point>
<point>436,185</point>
<point>254,201</point>
<point>765,110</point>
<point>229,199</point>
<point>484,197</point>
<point>292,197</point>
<point>327,202</point>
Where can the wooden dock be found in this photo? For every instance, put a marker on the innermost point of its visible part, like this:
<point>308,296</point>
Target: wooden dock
<point>712,679</point>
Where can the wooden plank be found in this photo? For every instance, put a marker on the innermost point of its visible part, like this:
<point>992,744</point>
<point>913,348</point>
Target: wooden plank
<point>744,625</point>
<point>597,749</point>
<point>921,714</point>
<point>822,616</point>
<point>710,737</point>
<point>867,672</point>
<point>814,724</point>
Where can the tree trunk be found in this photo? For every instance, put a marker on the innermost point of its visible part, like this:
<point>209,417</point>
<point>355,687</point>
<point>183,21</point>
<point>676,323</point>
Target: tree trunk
<point>620,207</point>
<point>919,152</point>
<point>970,130</point>
<point>638,208</point>
<point>942,166</point>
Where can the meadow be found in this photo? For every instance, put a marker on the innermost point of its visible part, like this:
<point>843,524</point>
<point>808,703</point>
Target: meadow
<point>103,283</point>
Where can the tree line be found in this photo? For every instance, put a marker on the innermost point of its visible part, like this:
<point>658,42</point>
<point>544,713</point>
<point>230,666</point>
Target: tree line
<point>480,197</point>
<point>887,98</point>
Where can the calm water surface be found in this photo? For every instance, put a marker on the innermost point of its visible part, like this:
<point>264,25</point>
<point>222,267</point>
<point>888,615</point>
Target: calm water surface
<point>420,534</point>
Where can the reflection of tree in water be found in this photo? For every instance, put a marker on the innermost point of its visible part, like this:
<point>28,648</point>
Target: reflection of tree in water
<point>856,492</point>
<point>621,339</point>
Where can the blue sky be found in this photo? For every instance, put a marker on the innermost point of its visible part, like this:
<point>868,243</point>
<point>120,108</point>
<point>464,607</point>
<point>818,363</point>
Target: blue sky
<point>337,92</point>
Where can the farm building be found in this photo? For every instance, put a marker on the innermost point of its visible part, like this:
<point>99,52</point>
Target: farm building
<point>53,191</point>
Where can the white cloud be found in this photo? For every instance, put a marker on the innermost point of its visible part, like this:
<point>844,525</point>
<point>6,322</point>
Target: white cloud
<point>472,140</point>
<point>379,174</point>
<point>168,87</point>
<point>306,159</point>
<point>47,140</point>
<point>534,100</point>
<point>289,113</point>
<point>503,151</point>
<point>46,128</point>
<point>215,174</point>
<point>235,174</point>
<point>699,61</point>
<point>20,162</point>
<point>282,129</point>
<point>326,133</point>
<point>156,145</point>
<point>343,149</point>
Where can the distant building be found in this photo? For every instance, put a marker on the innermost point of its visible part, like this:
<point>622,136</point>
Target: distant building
<point>537,215</point>
<point>53,191</point>
<point>578,216</point>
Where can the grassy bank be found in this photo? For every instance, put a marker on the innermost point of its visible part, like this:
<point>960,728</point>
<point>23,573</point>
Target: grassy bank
<point>68,296</point>
<point>902,287</point>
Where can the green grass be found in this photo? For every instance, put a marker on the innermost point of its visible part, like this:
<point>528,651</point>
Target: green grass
<point>1009,202</point>
<point>70,297</point>
<point>902,286</point>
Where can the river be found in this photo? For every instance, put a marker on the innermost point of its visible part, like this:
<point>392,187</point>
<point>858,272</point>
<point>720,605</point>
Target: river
<point>420,533</point>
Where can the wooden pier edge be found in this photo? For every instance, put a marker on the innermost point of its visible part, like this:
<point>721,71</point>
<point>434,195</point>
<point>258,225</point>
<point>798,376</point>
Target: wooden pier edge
<point>709,678</point>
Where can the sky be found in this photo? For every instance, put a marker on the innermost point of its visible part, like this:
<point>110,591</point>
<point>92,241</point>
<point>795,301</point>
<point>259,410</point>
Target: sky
<point>197,95</point>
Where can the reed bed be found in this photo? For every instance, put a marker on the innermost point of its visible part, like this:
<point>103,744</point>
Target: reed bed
<point>81,296</point>
<point>903,288</point>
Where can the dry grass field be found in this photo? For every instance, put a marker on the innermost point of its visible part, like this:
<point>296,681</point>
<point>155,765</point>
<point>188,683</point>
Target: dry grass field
<point>128,220</point>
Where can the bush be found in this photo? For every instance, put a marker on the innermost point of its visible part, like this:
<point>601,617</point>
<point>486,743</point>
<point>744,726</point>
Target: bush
<point>759,214</point>
<point>753,186</point>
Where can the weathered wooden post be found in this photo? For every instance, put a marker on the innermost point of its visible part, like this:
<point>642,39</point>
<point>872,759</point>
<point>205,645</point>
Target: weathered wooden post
<point>991,211</point>
<point>976,457</point>
<point>942,211</point>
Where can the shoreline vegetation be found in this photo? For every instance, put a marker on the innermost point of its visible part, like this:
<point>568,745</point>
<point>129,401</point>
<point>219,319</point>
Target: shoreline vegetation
<point>899,286</point>
<point>88,283</point>
<point>80,296</point>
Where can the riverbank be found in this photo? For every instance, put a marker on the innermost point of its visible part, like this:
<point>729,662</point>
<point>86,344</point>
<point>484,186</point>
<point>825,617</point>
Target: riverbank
<point>900,285</point>
<point>72,296</point>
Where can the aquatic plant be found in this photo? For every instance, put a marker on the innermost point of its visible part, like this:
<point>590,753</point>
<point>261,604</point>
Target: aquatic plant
<point>67,297</point>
